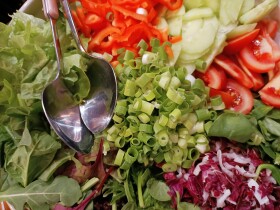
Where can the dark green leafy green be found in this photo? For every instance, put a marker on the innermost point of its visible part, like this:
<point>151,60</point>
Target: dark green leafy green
<point>31,156</point>
<point>40,195</point>
<point>233,126</point>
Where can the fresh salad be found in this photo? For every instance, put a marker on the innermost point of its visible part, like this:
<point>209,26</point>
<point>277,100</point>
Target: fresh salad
<point>196,124</point>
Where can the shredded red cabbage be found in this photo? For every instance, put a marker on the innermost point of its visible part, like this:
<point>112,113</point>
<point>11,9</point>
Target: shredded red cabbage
<point>225,178</point>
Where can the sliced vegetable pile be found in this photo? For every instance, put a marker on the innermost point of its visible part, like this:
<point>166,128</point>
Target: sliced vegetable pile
<point>197,119</point>
<point>113,24</point>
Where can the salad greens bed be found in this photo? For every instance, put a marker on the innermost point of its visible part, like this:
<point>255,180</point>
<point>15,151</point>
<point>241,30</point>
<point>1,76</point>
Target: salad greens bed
<point>163,123</point>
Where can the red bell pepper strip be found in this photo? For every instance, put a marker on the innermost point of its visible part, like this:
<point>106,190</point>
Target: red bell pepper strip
<point>171,4</point>
<point>129,13</point>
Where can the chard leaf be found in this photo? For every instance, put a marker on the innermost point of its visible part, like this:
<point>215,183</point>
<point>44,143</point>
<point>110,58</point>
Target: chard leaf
<point>41,195</point>
<point>61,157</point>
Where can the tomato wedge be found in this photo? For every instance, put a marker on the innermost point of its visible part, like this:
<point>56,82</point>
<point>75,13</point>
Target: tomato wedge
<point>213,77</point>
<point>258,56</point>
<point>237,44</point>
<point>243,98</point>
<point>270,93</point>
<point>256,78</point>
<point>268,26</point>
<point>233,70</point>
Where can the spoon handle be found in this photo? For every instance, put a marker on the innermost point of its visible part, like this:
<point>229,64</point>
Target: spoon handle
<point>52,13</point>
<point>66,8</point>
<point>51,9</point>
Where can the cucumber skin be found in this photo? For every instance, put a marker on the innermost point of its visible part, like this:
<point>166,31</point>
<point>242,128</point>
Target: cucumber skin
<point>259,12</point>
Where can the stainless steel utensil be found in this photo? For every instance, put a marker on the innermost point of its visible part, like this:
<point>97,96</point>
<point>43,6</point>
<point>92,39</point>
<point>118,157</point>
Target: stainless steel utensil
<point>98,108</point>
<point>58,104</point>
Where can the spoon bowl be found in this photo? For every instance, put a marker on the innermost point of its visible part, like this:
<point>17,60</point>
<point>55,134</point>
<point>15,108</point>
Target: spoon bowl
<point>98,108</point>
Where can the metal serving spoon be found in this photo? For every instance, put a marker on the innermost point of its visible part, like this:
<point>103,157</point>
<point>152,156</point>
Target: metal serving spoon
<point>58,104</point>
<point>98,108</point>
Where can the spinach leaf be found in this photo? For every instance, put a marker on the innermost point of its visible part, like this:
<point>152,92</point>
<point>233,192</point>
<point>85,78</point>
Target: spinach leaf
<point>233,126</point>
<point>40,195</point>
<point>158,190</point>
<point>272,126</point>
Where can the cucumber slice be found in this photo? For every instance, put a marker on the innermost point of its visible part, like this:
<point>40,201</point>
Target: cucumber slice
<point>198,35</point>
<point>197,13</point>
<point>189,58</point>
<point>190,4</point>
<point>175,25</point>
<point>217,48</point>
<point>240,30</point>
<point>213,4</point>
<point>247,5</point>
<point>176,48</point>
<point>259,12</point>
<point>175,13</point>
<point>229,11</point>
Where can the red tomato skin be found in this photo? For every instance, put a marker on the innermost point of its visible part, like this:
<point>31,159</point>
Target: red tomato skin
<point>243,97</point>
<point>233,70</point>
<point>270,93</point>
<point>268,26</point>
<point>253,58</point>
<point>236,44</point>
<point>256,78</point>
<point>214,77</point>
<point>226,97</point>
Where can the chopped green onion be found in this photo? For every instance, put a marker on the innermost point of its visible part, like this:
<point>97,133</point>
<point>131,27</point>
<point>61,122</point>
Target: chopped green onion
<point>149,95</point>
<point>147,107</point>
<point>200,64</point>
<point>163,120</point>
<point>144,118</point>
<point>142,44</point>
<point>187,164</point>
<point>129,158</point>
<point>217,103</point>
<point>164,80</point>
<point>157,127</point>
<point>135,142</point>
<point>119,157</point>
<point>175,82</point>
<point>193,154</point>
<point>162,138</point>
<point>202,114</point>
<point>169,167</point>
<point>117,119</point>
<point>119,142</point>
<point>129,88</point>
<point>182,143</point>
<point>144,79</point>
<point>129,55</point>
<point>175,115</point>
<point>146,128</point>
<point>175,96</point>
